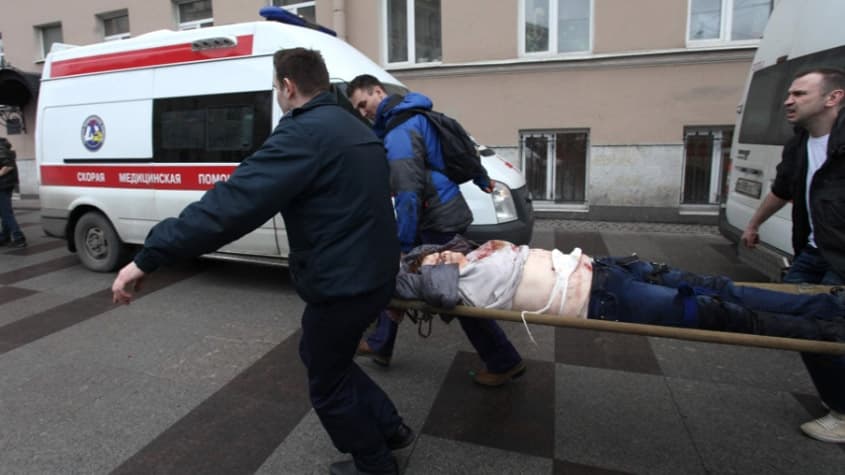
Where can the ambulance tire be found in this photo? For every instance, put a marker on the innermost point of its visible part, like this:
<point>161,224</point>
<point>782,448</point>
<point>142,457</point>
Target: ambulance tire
<point>97,243</point>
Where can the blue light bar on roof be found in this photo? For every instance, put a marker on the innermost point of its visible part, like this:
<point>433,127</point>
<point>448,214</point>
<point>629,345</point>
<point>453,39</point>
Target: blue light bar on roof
<point>284,16</point>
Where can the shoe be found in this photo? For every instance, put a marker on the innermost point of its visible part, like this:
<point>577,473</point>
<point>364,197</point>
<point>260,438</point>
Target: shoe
<point>18,243</point>
<point>365,350</point>
<point>486,378</point>
<point>403,437</point>
<point>348,468</point>
<point>4,240</point>
<point>830,428</point>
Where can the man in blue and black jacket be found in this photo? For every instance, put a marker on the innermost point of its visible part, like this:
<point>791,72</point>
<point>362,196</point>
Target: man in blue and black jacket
<point>430,209</point>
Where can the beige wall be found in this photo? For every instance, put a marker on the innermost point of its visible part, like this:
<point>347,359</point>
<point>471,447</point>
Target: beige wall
<point>625,25</point>
<point>635,105</point>
<point>478,30</point>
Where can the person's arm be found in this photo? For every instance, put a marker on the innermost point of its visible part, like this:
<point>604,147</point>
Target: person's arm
<point>259,188</point>
<point>770,205</point>
<point>780,194</point>
<point>404,147</point>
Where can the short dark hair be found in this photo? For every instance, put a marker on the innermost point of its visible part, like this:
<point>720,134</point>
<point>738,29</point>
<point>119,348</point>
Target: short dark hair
<point>363,81</point>
<point>305,67</point>
<point>832,78</point>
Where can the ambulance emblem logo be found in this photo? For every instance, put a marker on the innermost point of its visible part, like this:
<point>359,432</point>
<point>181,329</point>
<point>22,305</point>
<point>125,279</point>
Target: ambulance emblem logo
<point>93,133</point>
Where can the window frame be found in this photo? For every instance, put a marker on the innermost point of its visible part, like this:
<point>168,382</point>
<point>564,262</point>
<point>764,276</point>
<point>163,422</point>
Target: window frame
<point>41,28</point>
<point>553,33</point>
<point>294,7</point>
<point>193,24</point>
<point>104,17</point>
<point>725,27</point>
<point>721,135</point>
<point>410,36</point>
<point>550,173</point>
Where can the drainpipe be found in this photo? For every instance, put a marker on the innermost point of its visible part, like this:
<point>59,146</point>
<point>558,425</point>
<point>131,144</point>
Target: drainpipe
<point>339,18</point>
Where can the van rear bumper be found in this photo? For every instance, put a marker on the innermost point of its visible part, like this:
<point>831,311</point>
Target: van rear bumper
<point>517,232</point>
<point>54,222</point>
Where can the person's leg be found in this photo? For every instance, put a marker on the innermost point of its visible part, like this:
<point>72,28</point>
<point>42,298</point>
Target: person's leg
<point>356,413</point>
<point>491,344</point>
<point>382,339</point>
<point>666,276</point>
<point>618,294</point>
<point>831,277</point>
<point>7,218</point>
<point>828,375</point>
<point>807,267</point>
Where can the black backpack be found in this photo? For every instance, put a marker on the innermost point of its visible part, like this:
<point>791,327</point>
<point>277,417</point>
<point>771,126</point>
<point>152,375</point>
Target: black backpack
<point>460,155</point>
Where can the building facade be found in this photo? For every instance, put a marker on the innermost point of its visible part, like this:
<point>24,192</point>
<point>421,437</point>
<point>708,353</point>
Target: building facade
<point>613,109</point>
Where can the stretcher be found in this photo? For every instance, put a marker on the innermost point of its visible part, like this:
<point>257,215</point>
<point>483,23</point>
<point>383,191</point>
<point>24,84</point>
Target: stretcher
<point>424,313</point>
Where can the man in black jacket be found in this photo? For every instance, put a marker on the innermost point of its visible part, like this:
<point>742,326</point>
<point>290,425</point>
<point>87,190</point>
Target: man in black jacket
<point>10,232</point>
<point>811,174</point>
<point>326,172</point>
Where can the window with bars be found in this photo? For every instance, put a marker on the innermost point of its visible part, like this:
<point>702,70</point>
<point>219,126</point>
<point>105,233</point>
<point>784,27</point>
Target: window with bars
<point>555,164</point>
<point>706,158</point>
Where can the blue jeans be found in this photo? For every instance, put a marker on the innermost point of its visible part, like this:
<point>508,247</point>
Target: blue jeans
<point>810,267</point>
<point>10,228</point>
<point>354,410</point>
<point>486,336</point>
<point>642,292</point>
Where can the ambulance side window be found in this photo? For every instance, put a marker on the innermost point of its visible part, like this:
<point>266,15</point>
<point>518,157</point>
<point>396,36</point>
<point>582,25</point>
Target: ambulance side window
<point>211,128</point>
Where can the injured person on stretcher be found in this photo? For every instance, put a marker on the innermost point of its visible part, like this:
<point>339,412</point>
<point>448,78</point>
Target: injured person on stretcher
<point>505,276</point>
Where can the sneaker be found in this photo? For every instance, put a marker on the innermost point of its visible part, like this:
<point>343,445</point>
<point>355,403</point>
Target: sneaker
<point>830,428</point>
<point>18,243</point>
<point>365,350</point>
<point>486,378</point>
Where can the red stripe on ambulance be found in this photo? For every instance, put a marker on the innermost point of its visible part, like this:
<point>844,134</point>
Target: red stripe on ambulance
<point>135,176</point>
<point>147,57</point>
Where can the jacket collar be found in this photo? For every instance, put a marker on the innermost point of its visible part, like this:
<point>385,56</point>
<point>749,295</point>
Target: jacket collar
<point>321,99</point>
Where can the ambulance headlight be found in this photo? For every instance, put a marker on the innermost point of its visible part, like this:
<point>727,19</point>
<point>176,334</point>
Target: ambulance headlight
<point>503,202</point>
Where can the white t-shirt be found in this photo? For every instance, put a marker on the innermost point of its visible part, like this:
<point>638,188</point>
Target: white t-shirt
<point>816,156</point>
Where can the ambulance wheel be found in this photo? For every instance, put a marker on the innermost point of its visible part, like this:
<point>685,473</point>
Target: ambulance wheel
<point>97,244</point>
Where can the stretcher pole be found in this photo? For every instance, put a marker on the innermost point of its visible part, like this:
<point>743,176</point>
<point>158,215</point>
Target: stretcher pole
<point>693,334</point>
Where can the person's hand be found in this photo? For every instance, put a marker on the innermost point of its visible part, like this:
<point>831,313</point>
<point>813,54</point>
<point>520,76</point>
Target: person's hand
<point>488,189</point>
<point>127,282</point>
<point>750,237</point>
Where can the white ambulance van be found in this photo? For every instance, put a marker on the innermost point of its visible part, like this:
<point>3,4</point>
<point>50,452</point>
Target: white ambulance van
<point>799,35</point>
<point>129,132</point>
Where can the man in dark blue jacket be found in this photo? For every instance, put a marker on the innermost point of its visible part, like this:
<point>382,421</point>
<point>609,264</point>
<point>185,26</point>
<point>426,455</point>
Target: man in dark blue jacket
<point>326,172</point>
<point>430,209</point>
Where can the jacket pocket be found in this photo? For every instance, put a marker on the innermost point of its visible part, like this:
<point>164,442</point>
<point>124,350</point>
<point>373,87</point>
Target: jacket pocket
<point>302,268</point>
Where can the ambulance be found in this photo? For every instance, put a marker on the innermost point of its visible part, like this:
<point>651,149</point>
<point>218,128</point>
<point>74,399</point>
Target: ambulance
<point>130,132</point>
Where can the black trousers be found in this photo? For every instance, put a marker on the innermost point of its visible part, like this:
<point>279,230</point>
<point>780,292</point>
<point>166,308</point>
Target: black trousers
<point>354,410</point>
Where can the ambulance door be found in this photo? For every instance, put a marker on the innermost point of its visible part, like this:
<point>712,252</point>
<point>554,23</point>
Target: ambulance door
<point>202,138</point>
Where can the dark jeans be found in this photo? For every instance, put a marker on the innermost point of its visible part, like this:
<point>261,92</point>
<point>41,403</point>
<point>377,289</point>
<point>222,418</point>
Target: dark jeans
<point>638,292</point>
<point>354,410</point>
<point>486,336</point>
<point>810,267</point>
<point>10,228</point>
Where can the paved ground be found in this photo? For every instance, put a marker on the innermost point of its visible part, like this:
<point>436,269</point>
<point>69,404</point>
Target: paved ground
<point>201,375</point>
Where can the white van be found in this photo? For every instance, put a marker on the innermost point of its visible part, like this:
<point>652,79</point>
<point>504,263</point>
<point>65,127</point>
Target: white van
<point>129,132</point>
<point>799,35</point>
